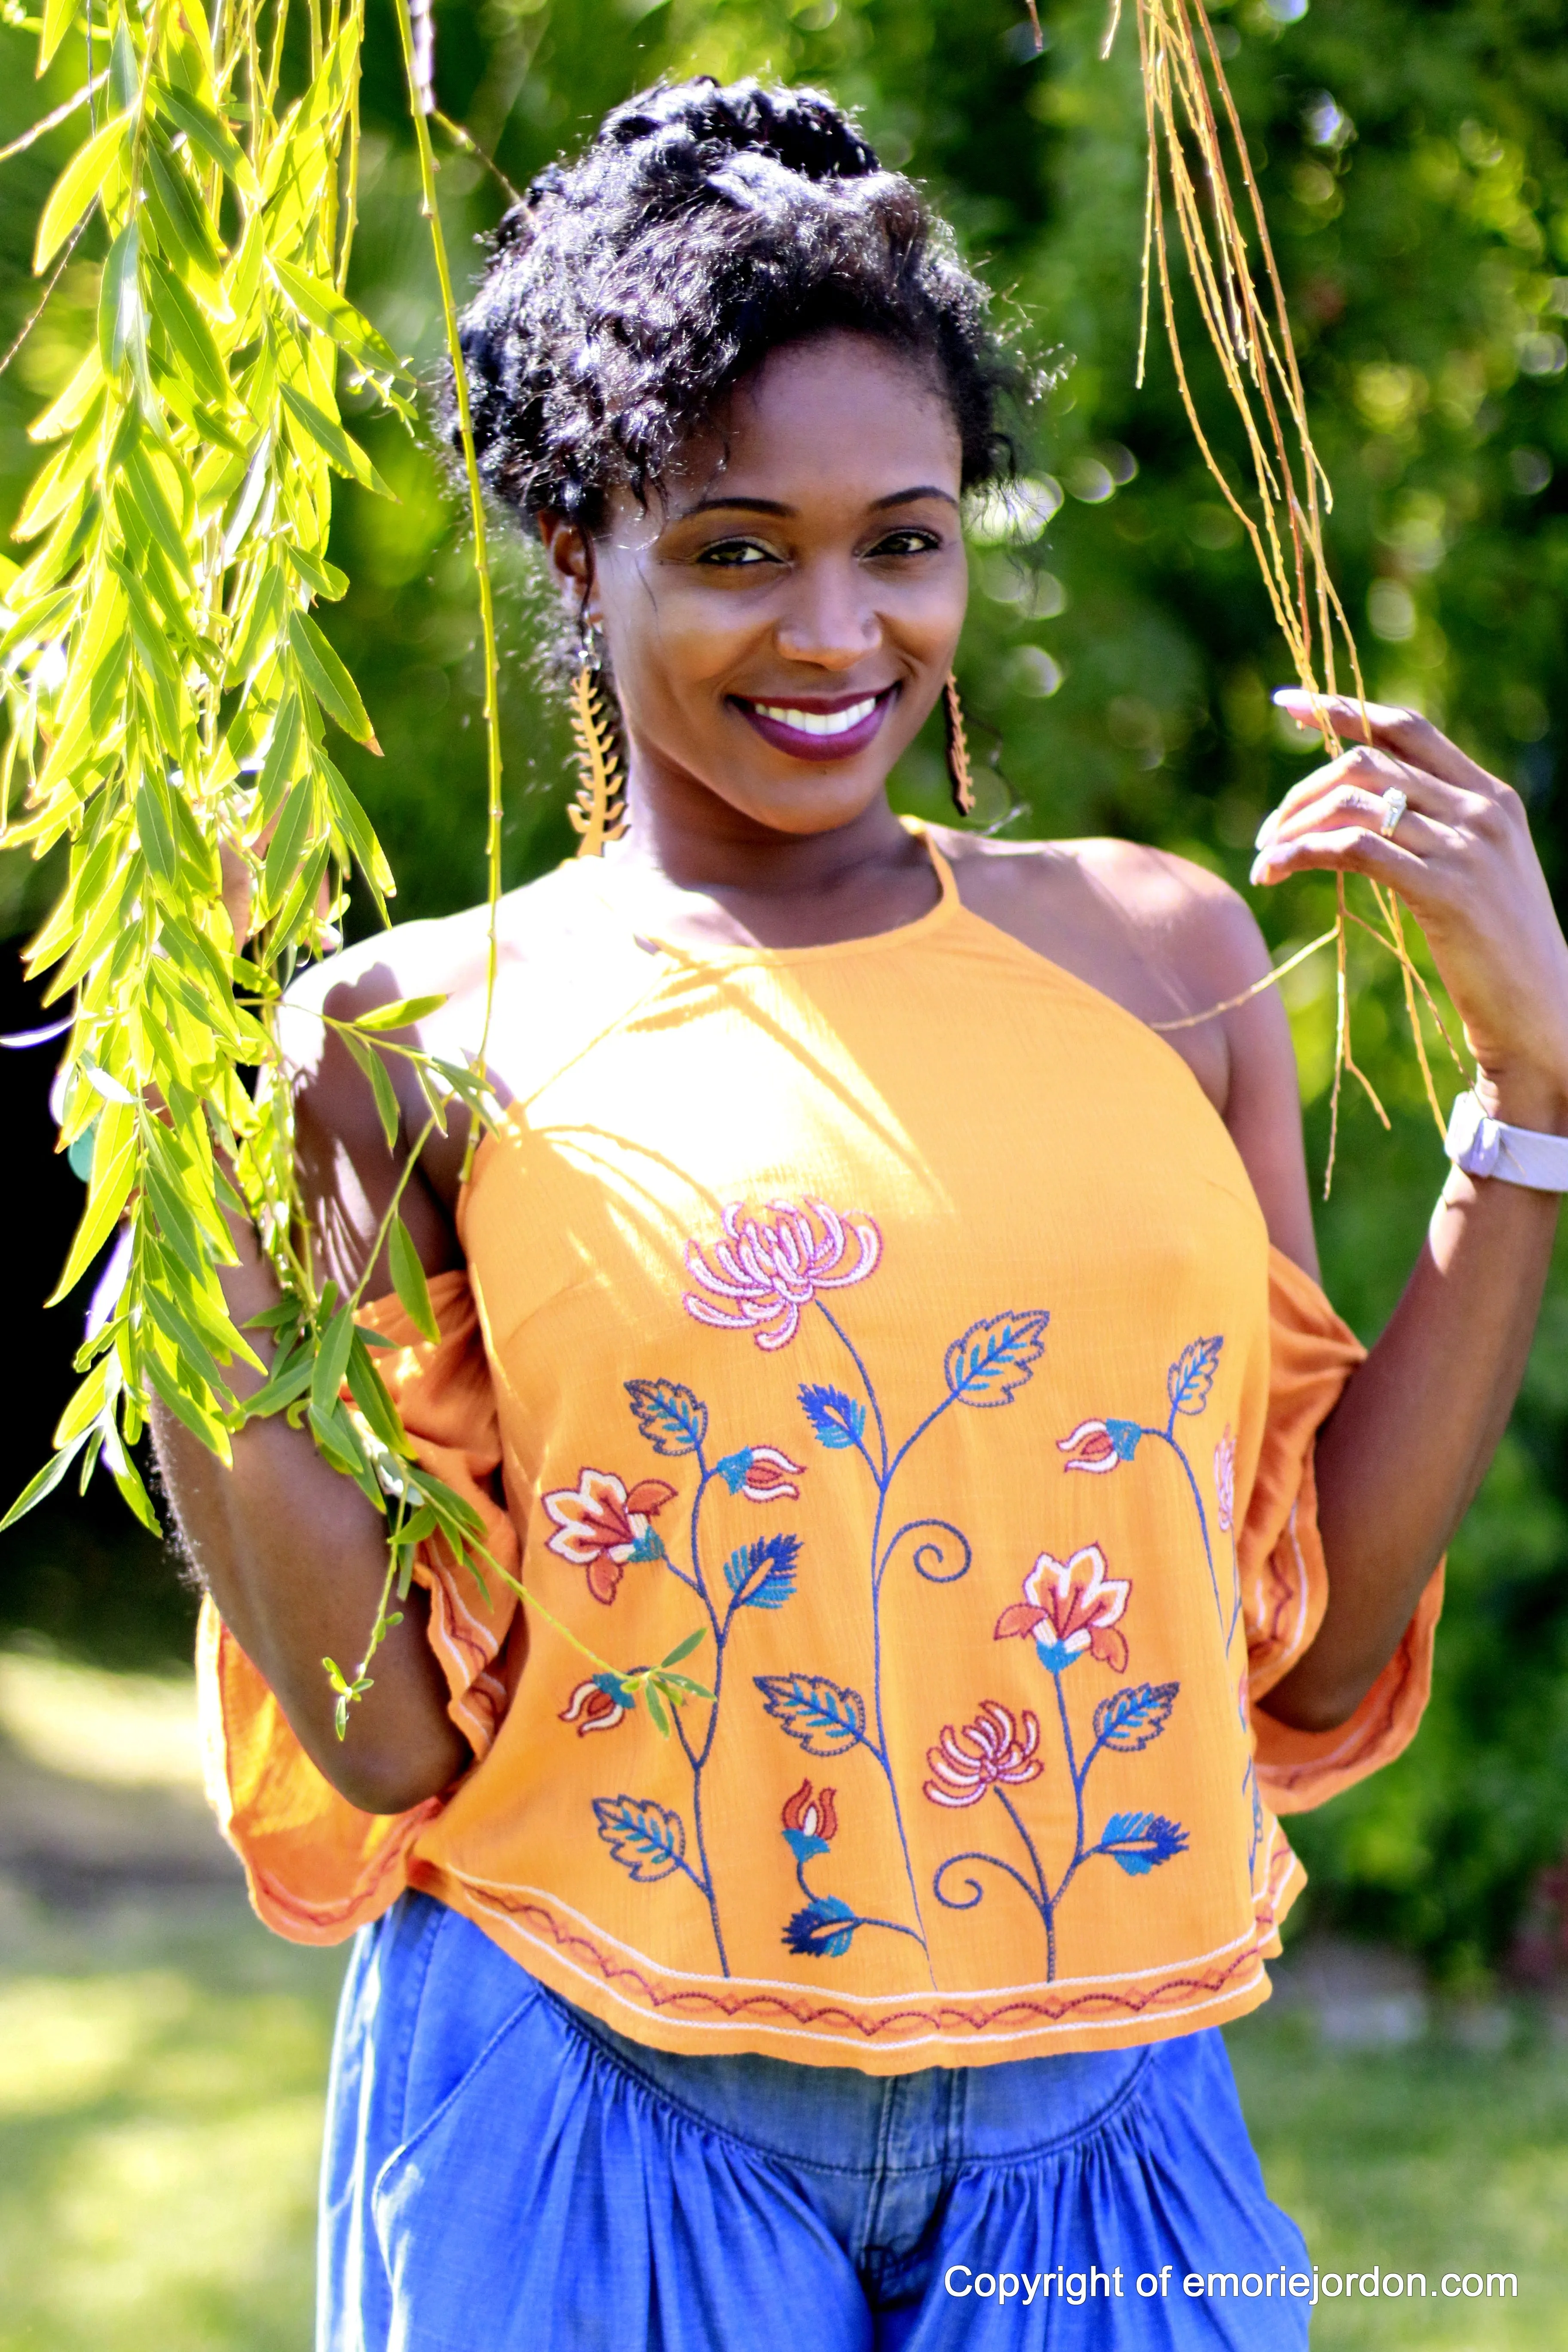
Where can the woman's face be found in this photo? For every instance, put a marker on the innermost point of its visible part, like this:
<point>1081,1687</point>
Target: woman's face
<point>781,617</point>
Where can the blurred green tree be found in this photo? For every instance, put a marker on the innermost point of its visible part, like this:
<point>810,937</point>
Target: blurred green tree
<point>1120,652</point>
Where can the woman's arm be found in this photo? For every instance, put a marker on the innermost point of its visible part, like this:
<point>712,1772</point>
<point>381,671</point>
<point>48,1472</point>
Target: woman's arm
<point>294,1555</point>
<point>1402,1456</point>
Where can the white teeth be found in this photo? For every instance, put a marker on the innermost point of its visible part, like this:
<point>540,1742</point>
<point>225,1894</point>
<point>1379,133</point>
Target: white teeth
<point>818,722</point>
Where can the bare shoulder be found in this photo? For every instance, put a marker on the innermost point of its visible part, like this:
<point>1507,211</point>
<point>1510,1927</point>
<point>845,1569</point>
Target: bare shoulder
<point>445,957</point>
<point>1158,932</point>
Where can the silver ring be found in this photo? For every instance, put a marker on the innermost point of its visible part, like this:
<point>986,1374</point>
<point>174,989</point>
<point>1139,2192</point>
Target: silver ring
<point>1394,804</point>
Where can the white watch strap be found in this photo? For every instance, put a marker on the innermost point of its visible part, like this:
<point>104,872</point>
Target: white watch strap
<point>1485,1146</point>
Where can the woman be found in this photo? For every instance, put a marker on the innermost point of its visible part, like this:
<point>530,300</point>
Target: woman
<point>863,1312</point>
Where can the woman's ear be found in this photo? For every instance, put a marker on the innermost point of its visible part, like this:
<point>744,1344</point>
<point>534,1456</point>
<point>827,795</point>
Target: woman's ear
<point>570,554</point>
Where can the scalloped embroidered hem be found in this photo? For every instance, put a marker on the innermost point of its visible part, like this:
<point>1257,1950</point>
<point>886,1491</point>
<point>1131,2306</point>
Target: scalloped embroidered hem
<point>704,2015</point>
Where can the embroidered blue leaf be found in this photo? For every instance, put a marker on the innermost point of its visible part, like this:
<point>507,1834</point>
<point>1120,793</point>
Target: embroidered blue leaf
<point>612,1687</point>
<point>1124,1436</point>
<point>1191,1377</point>
<point>1130,1720</point>
<point>996,1357</point>
<point>1138,1843</point>
<point>649,1544</point>
<point>761,1575</point>
<point>823,1716</point>
<point>836,1420</point>
<point>803,1847</point>
<point>823,1930</point>
<point>672,1420</point>
<point>647,1839</point>
<point>734,1469</point>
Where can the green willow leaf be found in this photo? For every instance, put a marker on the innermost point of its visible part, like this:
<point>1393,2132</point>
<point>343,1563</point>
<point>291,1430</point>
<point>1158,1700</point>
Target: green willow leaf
<point>127,1478</point>
<point>179,216</point>
<point>45,1482</point>
<point>288,842</point>
<point>345,457</point>
<point>113,1172</point>
<point>205,131</point>
<point>332,1362</point>
<point>325,577</point>
<point>122,318</point>
<point>56,24</point>
<point>403,1013</point>
<point>76,188</point>
<point>408,1280</point>
<point>330,682</point>
<point>191,340</point>
<point>323,307</point>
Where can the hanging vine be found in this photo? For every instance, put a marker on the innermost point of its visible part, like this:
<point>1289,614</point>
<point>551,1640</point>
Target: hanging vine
<point>171,698</point>
<point>1197,155</point>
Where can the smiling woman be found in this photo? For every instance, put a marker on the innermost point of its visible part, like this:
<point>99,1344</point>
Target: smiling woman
<point>845,1205</point>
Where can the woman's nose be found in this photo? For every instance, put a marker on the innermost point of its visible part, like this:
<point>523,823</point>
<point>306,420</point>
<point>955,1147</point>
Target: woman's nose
<point>828,620</point>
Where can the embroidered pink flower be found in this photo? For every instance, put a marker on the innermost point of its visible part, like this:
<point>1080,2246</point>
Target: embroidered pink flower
<point>1079,1604</point>
<point>986,1754</point>
<point>1100,1446</point>
<point>600,1524</point>
<point>762,1474</point>
<point>768,1267</point>
<point>811,1816</point>
<point>592,1708</point>
<point>1224,1479</point>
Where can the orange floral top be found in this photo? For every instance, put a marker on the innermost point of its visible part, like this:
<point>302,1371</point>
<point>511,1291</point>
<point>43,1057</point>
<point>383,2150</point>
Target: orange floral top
<point>886,1336</point>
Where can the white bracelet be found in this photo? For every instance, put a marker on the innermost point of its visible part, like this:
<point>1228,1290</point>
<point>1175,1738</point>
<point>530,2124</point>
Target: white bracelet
<point>1518,1155</point>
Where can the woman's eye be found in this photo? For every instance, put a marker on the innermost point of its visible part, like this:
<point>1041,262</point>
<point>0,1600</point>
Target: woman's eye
<point>736,554</point>
<point>906,542</point>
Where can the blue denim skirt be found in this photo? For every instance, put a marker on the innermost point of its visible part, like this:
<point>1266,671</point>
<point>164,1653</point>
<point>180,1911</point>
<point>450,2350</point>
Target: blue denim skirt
<point>504,2174</point>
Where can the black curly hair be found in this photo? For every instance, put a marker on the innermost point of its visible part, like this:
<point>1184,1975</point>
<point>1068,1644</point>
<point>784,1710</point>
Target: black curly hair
<point>701,228</point>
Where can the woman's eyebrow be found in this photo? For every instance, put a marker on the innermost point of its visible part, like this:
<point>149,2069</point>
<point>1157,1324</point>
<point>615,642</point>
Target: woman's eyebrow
<point>909,497</point>
<point>743,505</point>
<point>738,504</point>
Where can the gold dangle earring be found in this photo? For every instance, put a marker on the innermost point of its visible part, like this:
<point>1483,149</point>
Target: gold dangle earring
<point>599,807</point>
<point>958,770</point>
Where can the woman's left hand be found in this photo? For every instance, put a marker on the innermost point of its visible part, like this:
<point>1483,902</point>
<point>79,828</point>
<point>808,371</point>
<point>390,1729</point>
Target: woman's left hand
<point>1461,858</point>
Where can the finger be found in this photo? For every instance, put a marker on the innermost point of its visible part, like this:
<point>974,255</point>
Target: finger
<point>1352,849</point>
<point>1433,815</point>
<point>1373,773</point>
<point>1403,733</point>
<point>1346,810</point>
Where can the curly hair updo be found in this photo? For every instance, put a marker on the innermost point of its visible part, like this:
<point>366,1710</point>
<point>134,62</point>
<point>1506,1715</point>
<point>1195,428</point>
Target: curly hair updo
<point>701,228</point>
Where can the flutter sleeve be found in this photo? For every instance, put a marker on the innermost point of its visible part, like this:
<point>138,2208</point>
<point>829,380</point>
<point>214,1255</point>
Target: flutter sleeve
<point>1284,1580</point>
<point>318,1867</point>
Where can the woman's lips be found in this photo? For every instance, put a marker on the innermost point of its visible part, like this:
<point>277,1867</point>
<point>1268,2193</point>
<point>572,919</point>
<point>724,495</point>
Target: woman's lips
<point>819,731</point>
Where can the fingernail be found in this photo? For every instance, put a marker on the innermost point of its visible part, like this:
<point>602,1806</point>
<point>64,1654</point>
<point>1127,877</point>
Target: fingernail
<point>1291,694</point>
<point>1266,830</point>
<point>1259,870</point>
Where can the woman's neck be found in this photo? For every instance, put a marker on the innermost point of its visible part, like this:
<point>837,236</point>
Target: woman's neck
<point>704,872</point>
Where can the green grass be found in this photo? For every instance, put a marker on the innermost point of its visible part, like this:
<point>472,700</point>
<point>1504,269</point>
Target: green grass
<point>161,2080</point>
<point>1430,2158</point>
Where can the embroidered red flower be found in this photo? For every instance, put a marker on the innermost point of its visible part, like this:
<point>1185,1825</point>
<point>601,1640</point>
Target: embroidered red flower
<point>768,1267</point>
<point>761,1474</point>
<point>1079,1604</point>
<point>1100,1446</point>
<point>593,1707</point>
<point>600,1524</point>
<point>811,1816</point>
<point>990,1752</point>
